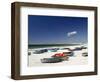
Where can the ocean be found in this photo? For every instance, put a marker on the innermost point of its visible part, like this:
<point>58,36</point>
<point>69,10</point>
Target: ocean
<point>34,46</point>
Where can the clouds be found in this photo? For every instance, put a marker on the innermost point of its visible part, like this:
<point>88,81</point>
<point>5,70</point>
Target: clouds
<point>71,33</point>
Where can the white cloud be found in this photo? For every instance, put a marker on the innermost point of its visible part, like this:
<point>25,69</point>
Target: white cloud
<point>71,33</point>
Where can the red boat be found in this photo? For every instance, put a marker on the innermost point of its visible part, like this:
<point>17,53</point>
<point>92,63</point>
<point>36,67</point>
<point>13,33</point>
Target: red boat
<point>59,55</point>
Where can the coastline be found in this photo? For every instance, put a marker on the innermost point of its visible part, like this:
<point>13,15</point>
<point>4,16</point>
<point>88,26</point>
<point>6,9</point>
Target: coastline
<point>77,59</point>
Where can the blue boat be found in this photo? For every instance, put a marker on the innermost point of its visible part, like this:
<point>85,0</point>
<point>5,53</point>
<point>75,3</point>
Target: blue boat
<point>53,50</point>
<point>40,51</point>
<point>77,49</point>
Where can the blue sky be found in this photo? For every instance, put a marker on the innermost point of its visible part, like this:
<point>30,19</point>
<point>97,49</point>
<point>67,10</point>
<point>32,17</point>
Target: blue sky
<point>56,29</point>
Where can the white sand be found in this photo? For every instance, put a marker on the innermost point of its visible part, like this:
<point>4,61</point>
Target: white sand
<point>77,59</point>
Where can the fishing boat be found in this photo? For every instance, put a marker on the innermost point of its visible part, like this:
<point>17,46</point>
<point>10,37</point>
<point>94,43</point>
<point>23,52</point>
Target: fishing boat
<point>51,60</point>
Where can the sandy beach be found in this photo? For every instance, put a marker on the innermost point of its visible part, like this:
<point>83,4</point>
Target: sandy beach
<point>76,59</point>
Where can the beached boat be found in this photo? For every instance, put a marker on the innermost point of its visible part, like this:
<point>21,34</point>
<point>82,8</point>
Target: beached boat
<point>66,52</point>
<point>53,49</point>
<point>77,49</point>
<point>40,51</point>
<point>51,60</point>
<point>58,55</point>
<point>68,49</point>
<point>65,49</point>
<point>69,53</point>
<point>85,54</point>
<point>61,56</point>
<point>83,47</point>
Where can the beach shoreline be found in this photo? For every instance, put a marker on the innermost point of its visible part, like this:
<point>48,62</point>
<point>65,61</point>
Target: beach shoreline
<point>76,59</point>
